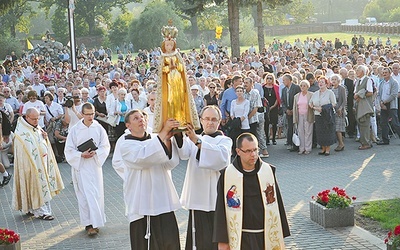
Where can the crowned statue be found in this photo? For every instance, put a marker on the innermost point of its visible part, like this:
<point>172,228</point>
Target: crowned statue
<point>174,99</point>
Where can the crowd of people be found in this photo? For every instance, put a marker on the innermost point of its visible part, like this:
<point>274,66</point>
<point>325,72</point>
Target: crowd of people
<point>320,91</point>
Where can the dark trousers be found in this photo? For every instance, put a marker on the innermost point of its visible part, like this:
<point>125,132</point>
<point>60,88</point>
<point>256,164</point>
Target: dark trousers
<point>120,129</point>
<point>385,116</point>
<point>253,128</point>
<point>60,149</point>
<point>289,119</point>
<point>163,229</point>
<point>204,222</point>
<point>351,128</point>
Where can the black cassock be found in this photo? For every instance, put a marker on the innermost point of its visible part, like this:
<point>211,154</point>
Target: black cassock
<point>253,209</point>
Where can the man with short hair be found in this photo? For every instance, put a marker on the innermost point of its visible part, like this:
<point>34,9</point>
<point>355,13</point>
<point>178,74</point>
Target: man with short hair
<point>254,98</point>
<point>149,193</point>
<point>207,153</point>
<point>87,173</point>
<point>396,77</point>
<point>38,86</point>
<point>249,202</point>
<point>363,93</point>
<point>287,98</point>
<point>32,193</point>
<point>313,82</point>
<point>228,96</point>
<point>387,97</point>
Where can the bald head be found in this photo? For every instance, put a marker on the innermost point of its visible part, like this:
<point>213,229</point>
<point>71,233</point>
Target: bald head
<point>32,116</point>
<point>32,111</point>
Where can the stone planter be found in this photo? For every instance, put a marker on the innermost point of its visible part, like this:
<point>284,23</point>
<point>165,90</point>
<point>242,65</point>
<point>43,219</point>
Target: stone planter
<point>15,246</point>
<point>390,247</point>
<point>331,217</point>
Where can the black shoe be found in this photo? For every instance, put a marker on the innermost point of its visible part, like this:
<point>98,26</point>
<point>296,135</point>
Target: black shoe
<point>382,143</point>
<point>268,143</point>
<point>6,179</point>
<point>274,143</point>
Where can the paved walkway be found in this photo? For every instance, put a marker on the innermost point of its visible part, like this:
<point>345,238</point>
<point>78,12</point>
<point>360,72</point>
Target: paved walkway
<point>369,175</point>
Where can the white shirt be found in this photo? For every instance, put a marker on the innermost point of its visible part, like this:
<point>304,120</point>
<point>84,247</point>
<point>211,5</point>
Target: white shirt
<point>39,106</point>
<point>148,171</point>
<point>150,120</point>
<point>55,109</point>
<point>397,78</point>
<point>239,110</point>
<point>39,88</point>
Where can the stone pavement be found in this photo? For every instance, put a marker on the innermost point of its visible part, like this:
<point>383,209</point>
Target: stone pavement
<point>368,175</point>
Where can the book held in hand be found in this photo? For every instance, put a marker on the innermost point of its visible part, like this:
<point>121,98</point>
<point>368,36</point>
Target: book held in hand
<point>86,145</point>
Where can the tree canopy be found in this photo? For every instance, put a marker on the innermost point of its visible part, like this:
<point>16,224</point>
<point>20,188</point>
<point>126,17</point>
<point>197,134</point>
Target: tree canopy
<point>145,32</point>
<point>383,10</point>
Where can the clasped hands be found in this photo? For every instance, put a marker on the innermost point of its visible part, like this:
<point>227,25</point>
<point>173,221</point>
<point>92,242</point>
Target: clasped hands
<point>88,153</point>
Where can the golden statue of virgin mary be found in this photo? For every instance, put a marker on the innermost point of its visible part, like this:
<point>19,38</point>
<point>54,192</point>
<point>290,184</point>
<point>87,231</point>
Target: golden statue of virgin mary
<point>174,99</point>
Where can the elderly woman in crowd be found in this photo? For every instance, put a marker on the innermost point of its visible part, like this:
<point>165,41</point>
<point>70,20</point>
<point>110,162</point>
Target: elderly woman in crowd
<point>99,103</point>
<point>323,102</point>
<point>119,108</point>
<point>303,117</point>
<point>340,108</point>
<point>60,96</point>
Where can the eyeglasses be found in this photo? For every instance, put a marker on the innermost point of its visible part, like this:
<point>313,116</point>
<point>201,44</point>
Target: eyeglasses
<point>213,120</point>
<point>249,151</point>
<point>34,119</point>
<point>211,87</point>
<point>269,78</point>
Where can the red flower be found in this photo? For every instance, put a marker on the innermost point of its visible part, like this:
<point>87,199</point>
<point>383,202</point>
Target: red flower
<point>397,230</point>
<point>353,198</point>
<point>325,199</point>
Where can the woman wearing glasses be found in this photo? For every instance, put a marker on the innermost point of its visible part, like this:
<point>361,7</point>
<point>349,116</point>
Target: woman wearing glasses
<point>212,97</point>
<point>271,93</point>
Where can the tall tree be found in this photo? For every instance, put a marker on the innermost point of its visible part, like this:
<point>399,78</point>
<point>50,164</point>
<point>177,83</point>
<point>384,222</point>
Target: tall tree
<point>145,32</point>
<point>18,18</point>
<point>89,11</point>
<point>6,5</point>
<point>119,29</point>
<point>382,10</point>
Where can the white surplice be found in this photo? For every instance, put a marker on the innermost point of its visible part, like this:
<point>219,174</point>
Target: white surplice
<point>87,174</point>
<point>148,186</point>
<point>200,186</point>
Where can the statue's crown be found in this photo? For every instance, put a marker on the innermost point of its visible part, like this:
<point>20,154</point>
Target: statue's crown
<point>169,32</point>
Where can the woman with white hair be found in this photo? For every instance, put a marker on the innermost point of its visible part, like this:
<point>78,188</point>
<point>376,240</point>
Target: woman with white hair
<point>60,96</point>
<point>303,117</point>
<point>119,108</point>
<point>340,109</point>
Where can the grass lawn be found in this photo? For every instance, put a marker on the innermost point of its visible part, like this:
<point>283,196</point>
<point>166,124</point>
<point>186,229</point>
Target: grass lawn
<point>386,212</point>
<point>331,36</point>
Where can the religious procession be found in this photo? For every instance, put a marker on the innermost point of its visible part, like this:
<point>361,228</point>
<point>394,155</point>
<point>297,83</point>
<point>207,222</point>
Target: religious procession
<point>216,114</point>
